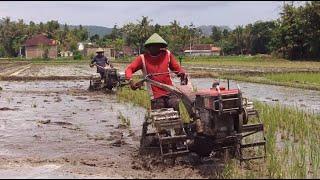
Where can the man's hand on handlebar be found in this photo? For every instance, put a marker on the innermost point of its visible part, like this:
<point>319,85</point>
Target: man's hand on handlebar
<point>134,85</point>
<point>183,78</point>
<point>91,65</point>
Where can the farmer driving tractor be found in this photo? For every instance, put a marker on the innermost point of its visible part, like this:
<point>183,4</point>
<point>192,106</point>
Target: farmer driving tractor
<point>157,60</point>
<point>101,61</point>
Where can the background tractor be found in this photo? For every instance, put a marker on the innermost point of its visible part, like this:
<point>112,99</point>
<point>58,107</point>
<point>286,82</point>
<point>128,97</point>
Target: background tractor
<point>112,79</point>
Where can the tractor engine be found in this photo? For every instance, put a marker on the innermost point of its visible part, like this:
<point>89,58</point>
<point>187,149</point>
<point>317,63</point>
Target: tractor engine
<point>112,79</point>
<point>219,113</point>
<point>221,117</point>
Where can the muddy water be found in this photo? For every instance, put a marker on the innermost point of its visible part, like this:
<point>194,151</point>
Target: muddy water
<point>61,122</point>
<point>57,129</point>
<point>307,100</point>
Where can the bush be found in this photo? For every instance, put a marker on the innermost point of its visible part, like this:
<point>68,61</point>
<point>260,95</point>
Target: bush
<point>77,55</point>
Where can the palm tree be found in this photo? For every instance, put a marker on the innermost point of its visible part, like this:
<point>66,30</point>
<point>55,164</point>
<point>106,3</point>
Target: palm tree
<point>144,31</point>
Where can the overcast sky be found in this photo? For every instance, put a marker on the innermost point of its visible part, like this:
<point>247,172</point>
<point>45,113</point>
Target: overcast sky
<point>109,13</point>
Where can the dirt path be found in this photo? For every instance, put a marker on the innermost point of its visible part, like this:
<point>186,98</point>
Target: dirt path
<point>57,129</point>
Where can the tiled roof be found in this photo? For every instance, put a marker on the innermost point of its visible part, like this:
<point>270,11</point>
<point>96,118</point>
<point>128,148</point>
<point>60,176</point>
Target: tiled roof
<point>40,39</point>
<point>208,47</point>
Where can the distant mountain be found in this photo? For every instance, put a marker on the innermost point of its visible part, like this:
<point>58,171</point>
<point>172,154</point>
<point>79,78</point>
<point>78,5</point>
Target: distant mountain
<point>207,29</point>
<point>100,30</point>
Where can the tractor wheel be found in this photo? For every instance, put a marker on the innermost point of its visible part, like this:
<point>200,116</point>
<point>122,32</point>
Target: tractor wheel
<point>91,86</point>
<point>148,140</point>
<point>202,146</point>
<point>108,83</point>
<point>109,87</point>
<point>238,123</point>
<point>143,140</point>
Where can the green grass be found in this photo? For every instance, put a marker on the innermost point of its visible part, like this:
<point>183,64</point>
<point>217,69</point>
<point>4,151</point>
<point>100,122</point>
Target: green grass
<point>293,144</point>
<point>249,61</point>
<point>214,61</point>
<point>142,98</point>
<point>137,97</point>
<point>299,78</point>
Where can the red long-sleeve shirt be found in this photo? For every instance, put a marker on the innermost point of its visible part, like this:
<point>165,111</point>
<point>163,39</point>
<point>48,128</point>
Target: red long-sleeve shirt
<point>155,64</point>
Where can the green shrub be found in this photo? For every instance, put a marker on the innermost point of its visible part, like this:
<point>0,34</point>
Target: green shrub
<point>77,55</point>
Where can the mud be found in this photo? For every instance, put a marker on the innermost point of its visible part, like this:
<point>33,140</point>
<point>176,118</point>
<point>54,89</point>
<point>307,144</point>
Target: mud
<point>58,129</point>
<point>49,72</point>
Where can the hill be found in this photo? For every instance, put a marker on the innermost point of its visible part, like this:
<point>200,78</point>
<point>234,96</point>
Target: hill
<point>206,29</point>
<point>100,30</point>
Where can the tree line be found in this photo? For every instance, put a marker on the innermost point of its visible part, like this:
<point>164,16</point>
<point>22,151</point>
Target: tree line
<point>14,34</point>
<point>294,35</point>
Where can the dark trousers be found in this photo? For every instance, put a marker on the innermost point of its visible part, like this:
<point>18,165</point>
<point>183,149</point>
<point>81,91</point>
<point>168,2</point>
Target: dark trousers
<point>102,74</point>
<point>169,101</point>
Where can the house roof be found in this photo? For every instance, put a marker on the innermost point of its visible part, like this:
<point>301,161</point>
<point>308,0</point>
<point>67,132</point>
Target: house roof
<point>96,47</point>
<point>197,51</point>
<point>127,50</point>
<point>202,47</point>
<point>40,39</point>
<point>215,49</point>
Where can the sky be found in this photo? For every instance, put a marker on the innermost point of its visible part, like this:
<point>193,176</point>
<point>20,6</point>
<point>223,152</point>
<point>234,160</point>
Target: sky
<point>109,13</point>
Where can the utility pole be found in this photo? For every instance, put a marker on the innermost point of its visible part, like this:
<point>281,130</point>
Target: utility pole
<point>190,37</point>
<point>190,45</point>
<point>20,52</point>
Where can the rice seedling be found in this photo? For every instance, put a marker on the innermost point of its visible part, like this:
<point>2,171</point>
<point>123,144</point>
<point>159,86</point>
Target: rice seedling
<point>301,128</point>
<point>249,61</point>
<point>123,120</point>
<point>9,99</point>
<point>298,78</point>
<point>137,97</point>
<point>34,104</point>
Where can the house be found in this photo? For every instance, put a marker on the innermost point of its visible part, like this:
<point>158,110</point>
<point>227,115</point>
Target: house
<point>39,46</point>
<point>202,50</point>
<point>126,51</point>
<point>66,54</point>
<point>80,46</point>
<point>108,51</point>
